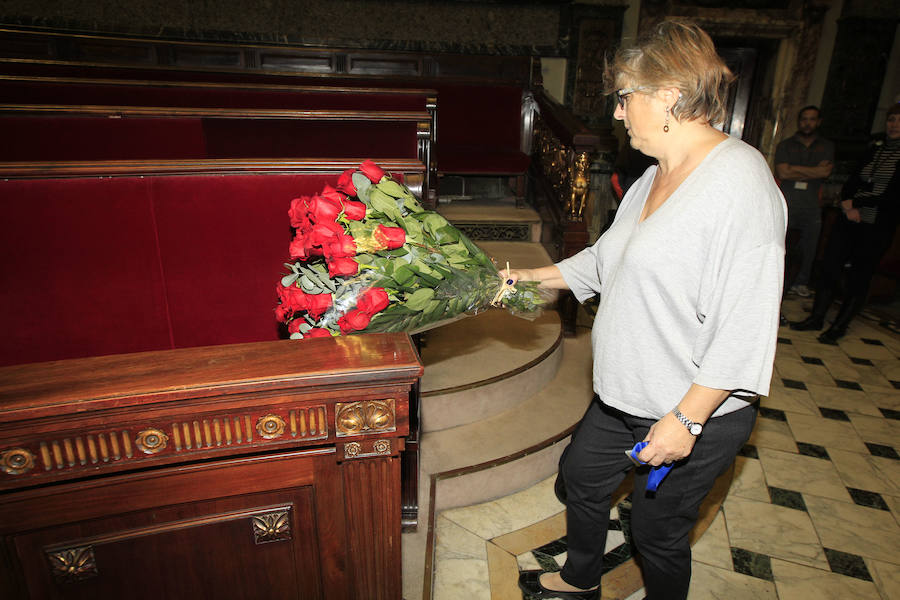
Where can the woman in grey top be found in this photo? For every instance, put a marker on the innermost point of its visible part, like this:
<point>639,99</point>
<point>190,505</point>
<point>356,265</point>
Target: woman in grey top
<point>689,277</point>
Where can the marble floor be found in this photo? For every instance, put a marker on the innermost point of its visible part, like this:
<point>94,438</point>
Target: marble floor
<point>812,511</point>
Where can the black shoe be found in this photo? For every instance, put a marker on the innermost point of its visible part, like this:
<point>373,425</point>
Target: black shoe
<point>832,336</point>
<point>808,324</point>
<point>530,583</point>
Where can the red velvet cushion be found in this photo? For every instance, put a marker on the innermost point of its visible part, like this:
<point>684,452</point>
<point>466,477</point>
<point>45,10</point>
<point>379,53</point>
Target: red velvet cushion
<point>479,160</point>
<point>223,242</point>
<point>69,138</point>
<point>246,138</point>
<point>80,271</point>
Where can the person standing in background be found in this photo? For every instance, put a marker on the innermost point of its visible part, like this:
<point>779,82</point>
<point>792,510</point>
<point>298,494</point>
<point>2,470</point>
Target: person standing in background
<point>802,162</point>
<point>871,211</point>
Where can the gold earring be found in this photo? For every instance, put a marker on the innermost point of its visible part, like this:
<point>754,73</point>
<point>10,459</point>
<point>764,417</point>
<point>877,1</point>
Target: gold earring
<point>666,126</point>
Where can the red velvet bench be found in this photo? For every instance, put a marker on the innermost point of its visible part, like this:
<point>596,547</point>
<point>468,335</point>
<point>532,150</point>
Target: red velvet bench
<point>99,265</point>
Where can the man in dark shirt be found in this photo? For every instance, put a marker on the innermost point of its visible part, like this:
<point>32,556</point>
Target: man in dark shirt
<point>802,162</point>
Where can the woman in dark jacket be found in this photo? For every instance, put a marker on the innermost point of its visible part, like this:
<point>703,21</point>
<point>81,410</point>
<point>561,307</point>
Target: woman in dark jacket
<point>871,207</point>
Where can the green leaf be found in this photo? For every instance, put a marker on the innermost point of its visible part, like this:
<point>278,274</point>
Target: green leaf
<point>386,204</point>
<point>436,311</point>
<point>391,188</point>
<point>412,204</point>
<point>403,274</point>
<point>308,286</point>
<point>288,280</point>
<point>297,336</point>
<point>362,185</point>
<point>433,222</point>
<point>419,299</point>
<point>446,235</point>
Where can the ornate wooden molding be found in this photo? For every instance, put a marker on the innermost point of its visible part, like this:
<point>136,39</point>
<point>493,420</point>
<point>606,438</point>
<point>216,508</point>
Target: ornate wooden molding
<point>16,461</point>
<point>273,526</point>
<point>356,449</point>
<point>365,417</point>
<point>154,440</point>
<point>72,564</point>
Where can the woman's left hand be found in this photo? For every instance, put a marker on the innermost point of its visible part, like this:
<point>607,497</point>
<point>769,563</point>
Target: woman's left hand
<point>667,442</point>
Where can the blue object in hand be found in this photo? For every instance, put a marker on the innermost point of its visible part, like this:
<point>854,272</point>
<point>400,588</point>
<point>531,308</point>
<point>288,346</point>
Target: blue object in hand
<point>657,474</point>
<point>509,282</point>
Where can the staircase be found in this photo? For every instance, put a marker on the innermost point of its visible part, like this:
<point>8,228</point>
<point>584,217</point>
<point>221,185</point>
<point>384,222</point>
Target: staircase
<point>499,397</point>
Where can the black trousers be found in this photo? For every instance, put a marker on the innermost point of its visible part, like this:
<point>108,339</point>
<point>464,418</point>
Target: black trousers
<point>860,244</point>
<point>594,466</point>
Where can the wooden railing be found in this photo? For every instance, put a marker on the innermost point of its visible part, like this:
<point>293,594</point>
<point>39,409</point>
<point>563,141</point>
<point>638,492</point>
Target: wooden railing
<point>564,153</point>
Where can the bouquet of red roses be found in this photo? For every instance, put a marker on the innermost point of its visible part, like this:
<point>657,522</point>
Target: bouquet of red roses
<point>369,258</point>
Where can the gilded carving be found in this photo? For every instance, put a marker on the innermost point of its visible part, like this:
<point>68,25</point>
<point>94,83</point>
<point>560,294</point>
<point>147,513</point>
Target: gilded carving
<point>355,449</point>
<point>368,416</point>
<point>16,461</point>
<point>72,564</point>
<point>270,426</point>
<point>352,450</point>
<point>151,441</point>
<point>271,527</point>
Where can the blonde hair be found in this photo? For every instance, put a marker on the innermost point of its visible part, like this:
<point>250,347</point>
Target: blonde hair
<point>676,53</point>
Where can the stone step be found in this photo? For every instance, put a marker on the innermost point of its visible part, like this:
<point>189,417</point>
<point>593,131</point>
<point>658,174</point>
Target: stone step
<point>490,219</point>
<point>479,366</point>
<point>498,455</point>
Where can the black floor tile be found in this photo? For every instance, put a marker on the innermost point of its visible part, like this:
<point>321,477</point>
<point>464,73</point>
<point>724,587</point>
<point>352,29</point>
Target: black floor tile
<point>792,383</point>
<point>867,498</point>
<point>812,360</point>
<point>831,413</point>
<point>772,413</point>
<point>553,548</point>
<point>890,413</point>
<point>813,450</point>
<point>848,385</point>
<point>784,340</point>
<point>882,451</point>
<point>787,498</point>
<point>748,451</point>
<point>872,342</point>
<point>546,561</point>
<point>751,563</point>
<point>862,361</point>
<point>847,564</point>
<point>616,557</point>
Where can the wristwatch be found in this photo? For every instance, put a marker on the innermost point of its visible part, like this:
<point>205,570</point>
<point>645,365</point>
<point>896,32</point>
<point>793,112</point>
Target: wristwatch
<point>694,428</point>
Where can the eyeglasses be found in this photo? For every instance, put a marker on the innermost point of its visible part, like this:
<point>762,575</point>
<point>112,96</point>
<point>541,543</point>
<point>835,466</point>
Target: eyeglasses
<point>621,95</point>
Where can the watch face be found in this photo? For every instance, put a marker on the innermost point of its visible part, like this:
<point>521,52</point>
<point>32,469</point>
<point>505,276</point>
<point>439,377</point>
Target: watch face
<point>696,428</point>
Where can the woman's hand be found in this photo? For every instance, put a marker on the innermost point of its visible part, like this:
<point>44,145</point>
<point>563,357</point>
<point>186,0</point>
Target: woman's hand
<point>851,213</point>
<point>515,275</point>
<point>667,441</point>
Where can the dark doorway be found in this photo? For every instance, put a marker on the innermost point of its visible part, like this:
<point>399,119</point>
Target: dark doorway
<point>749,100</point>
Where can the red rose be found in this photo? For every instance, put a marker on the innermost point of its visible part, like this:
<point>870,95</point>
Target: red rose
<point>282,312</point>
<point>317,304</point>
<point>294,326</point>
<point>323,209</point>
<point>317,332</point>
<point>354,210</point>
<point>292,297</point>
<point>342,266</point>
<point>299,213</point>
<point>353,321</point>
<point>325,233</point>
<point>372,301</point>
<point>299,247</point>
<point>343,246</point>
<point>389,237</point>
<point>345,182</point>
<point>372,171</point>
<point>332,194</point>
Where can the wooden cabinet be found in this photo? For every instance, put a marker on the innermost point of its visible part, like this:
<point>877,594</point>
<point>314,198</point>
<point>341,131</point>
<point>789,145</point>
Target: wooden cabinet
<point>265,470</point>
